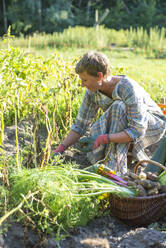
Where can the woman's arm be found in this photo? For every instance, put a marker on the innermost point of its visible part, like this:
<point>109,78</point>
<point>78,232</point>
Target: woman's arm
<point>71,139</point>
<point>86,113</point>
<point>121,137</point>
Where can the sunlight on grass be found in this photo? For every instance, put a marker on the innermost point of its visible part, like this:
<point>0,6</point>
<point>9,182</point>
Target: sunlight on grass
<point>136,66</point>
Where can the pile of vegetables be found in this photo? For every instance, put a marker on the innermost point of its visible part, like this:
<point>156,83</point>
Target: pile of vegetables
<point>146,183</point>
<point>62,197</point>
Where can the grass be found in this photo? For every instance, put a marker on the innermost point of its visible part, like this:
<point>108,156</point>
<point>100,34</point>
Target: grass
<point>137,64</point>
<point>101,38</point>
<point>148,72</point>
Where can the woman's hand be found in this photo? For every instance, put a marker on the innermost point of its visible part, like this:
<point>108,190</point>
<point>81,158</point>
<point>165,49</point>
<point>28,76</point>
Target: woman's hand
<point>60,149</point>
<point>101,140</point>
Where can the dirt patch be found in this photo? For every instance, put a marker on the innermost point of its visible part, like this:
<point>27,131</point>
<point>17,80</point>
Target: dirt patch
<point>103,232</point>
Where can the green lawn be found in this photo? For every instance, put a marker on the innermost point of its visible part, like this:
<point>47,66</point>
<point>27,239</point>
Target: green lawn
<point>137,65</point>
<point>150,73</point>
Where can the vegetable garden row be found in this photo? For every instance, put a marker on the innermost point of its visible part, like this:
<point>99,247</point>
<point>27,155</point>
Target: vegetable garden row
<point>48,197</point>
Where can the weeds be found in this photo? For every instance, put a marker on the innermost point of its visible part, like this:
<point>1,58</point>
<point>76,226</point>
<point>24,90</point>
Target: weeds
<point>89,38</point>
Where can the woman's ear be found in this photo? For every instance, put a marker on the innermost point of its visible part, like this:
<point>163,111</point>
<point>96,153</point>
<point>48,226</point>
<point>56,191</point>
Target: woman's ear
<point>100,75</point>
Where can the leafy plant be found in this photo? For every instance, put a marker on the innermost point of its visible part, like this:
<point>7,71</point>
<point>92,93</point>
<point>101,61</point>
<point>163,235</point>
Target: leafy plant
<point>58,197</point>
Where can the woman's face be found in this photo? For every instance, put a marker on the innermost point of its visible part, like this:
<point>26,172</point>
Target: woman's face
<point>90,82</point>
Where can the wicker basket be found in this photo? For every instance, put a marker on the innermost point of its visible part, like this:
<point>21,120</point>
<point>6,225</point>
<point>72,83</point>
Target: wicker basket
<point>139,211</point>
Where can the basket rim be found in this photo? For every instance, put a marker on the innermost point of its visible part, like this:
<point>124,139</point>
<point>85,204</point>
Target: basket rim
<point>137,198</point>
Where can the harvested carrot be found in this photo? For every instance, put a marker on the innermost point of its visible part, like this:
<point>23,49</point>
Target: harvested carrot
<point>131,183</point>
<point>148,184</point>
<point>133,175</point>
<point>153,191</point>
<point>141,190</point>
<point>152,176</point>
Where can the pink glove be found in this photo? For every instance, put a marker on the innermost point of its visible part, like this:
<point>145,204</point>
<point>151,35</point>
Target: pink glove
<point>60,149</point>
<point>101,140</point>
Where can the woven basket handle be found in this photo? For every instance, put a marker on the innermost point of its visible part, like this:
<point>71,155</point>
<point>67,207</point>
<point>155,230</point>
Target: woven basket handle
<point>148,161</point>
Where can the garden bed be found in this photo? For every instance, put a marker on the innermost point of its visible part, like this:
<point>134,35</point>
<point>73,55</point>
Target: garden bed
<point>102,232</point>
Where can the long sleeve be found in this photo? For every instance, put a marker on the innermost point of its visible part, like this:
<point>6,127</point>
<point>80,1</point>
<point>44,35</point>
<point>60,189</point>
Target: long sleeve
<point>86,114</point>
<point>138,103</point>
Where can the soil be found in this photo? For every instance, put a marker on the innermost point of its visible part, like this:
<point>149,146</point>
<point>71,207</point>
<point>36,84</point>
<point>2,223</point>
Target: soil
<point>103,232</point>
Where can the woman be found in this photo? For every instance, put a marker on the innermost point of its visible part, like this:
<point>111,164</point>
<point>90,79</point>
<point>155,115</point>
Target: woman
<point>130,118</point>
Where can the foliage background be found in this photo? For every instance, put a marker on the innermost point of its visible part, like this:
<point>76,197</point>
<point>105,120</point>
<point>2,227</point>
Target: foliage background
<point>48,16</point>
<point>46,89</point>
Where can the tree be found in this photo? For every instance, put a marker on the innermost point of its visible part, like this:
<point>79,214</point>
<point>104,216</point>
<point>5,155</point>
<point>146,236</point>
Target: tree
<point>29,16</point>
<point>143,14</point>
<point>4,15</point>
<point>57,15</point>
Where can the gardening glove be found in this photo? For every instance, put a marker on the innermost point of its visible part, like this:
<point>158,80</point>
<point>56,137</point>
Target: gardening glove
<point>60,149</point>
<point>101,140</point>
<point>86,144</point>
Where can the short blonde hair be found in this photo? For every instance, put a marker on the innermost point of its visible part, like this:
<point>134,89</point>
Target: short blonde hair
<point>93,62</point>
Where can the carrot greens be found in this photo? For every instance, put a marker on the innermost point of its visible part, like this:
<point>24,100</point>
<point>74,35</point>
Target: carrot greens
<point>66,196</point>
